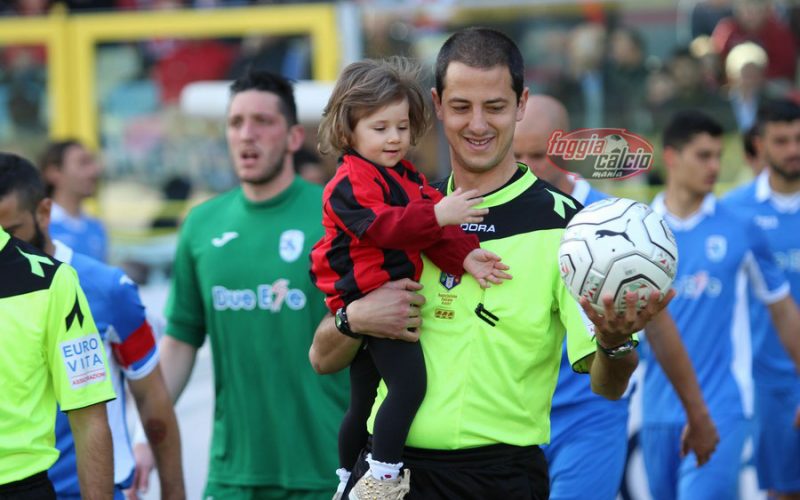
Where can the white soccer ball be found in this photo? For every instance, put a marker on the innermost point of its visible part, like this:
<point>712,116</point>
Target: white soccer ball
<point>616,246</point>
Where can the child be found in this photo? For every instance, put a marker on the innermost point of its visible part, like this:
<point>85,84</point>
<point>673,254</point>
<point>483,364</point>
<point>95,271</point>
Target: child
<point>379,214</point>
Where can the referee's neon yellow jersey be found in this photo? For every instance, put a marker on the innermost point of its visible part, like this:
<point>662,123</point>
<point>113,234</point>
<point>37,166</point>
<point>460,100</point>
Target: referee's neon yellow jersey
<point>50,352</point>
<point>492,356</point>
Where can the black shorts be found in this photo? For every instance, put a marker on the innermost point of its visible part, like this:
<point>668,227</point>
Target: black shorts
<point>36,487</point>
<point>484,473</point>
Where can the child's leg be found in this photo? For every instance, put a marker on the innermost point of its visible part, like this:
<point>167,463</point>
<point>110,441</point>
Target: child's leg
<point>364,379</point>
<point>402,366</point>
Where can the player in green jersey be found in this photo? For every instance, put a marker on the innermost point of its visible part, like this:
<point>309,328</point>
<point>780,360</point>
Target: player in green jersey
<point>50,352</point>
<point>492,357</point>
<point>241,279</point>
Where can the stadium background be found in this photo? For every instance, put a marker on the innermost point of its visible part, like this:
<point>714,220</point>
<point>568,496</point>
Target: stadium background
<point>119,75</point>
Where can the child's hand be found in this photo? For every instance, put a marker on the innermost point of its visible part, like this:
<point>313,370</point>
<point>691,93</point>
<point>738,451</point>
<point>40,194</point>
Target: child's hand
<point>486,267</point>
<point>456,209</point>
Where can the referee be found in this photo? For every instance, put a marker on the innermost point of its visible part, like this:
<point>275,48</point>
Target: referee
<point>50,352</point>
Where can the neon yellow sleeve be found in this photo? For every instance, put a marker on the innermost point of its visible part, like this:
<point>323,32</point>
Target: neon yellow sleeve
<point>75,352</point>
<point>580,331</point>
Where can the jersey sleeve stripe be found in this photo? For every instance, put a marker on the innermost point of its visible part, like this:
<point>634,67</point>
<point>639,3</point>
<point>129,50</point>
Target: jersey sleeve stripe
<point>136,347</point>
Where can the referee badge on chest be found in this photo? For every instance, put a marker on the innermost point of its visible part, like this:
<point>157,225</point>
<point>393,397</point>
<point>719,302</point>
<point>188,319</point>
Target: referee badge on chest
<point>449,281</point>
<point>291,244</point>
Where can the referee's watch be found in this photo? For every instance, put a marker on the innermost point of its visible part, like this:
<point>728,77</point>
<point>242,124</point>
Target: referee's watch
<point>343,325</point>
<point>619,351</point>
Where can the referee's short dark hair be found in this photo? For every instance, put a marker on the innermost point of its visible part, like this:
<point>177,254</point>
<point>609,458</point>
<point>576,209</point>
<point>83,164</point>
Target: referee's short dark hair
<point>685,125</point>
<point>482,48</point>
<point>20,176</point>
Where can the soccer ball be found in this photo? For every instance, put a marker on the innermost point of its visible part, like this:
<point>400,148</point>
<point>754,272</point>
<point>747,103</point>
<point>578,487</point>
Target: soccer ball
<point>616,246</point>
<point>615,143</point>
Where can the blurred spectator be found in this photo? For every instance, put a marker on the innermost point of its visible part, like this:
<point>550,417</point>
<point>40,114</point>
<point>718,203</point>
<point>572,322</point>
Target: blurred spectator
<point>308,166</point>
<point>691,92</point>
<point>581,88</point>
<point>626,78</point>
<point>30,7</point>
<point>751,156</point>
<point>90,5</point>
<point>176,192</point>
<point>659,92</point>
<point>754,21</point>
<point>702,49</point>
<point>25,76</point>
<point>71,174</point>
<point>744,69</point>
<point>283,55</point>
<point>191,61</point>
<point>700,17</point>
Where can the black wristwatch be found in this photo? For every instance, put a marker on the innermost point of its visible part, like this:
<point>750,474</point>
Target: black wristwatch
<point>619,351</point>
<point>340,320</point>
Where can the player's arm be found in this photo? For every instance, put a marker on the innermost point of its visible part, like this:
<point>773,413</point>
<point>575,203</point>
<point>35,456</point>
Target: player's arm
<point>185,312</point>
<point>161,428</point>
<point>772,288</point>
<point>93,450</point>
<point>700,433</point>
<point>177,363</point>
<point>134,347</point>
<point>387,312</point>
<point>786,318</point>
<point>610,376</point>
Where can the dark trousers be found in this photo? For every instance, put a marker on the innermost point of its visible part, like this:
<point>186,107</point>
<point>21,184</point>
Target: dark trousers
<point>487,472</point>
<point>401,365</point>
<point>36,487</point>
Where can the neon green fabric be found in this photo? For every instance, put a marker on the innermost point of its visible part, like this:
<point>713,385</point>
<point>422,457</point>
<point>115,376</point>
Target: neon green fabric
<point>494,384</point>
<point>50,352</point>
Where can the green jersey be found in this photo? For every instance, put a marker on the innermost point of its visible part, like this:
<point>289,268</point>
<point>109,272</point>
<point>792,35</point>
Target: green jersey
<point>50,352</point>
<point>492,356</point>
<point>241,277</point>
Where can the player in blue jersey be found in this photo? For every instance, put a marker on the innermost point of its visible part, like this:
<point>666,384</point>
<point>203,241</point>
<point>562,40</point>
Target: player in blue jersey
<point>589,433</point>
<point>120,318</point>
<point>71,173</point>
<point>718,250</point>
<point>773,201</point>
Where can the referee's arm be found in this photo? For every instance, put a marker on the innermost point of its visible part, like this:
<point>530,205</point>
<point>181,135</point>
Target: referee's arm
<point>388,312</point>
<point>94,451</point>
<point>609,377</point>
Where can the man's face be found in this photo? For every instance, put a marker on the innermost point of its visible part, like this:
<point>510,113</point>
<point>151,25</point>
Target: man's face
<point>751,14</point>
<point>23,223</point>
<point>80,172</point>
<point>258,136</point>
<point>779,143</point>
<point>530,148</point>
<point>478,109</point>
<point>696,166</point>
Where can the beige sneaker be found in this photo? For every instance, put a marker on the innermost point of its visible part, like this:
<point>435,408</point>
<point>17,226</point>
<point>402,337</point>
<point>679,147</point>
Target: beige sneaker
<point>369,488</point>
